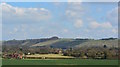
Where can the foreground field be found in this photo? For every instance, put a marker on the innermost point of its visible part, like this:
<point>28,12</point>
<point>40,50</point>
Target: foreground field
<point>59,62</point>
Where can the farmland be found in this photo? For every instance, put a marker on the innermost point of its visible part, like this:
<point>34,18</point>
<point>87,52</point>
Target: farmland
<point>59,62</point>
<point>48,56</point>
<point>60,51</point>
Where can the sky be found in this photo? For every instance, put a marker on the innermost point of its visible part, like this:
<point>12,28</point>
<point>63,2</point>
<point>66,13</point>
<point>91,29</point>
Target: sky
<point>33,20</point>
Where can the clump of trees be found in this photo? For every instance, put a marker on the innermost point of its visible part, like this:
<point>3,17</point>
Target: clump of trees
<point>93,53</point>
<point>84,53</point>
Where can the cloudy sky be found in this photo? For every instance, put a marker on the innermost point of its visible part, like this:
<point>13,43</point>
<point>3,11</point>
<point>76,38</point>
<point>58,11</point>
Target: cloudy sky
<point>26,20</point>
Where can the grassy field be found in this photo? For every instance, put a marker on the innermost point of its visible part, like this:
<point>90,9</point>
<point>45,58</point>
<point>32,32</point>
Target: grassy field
<point>59,62</point>
<point>50,56</point>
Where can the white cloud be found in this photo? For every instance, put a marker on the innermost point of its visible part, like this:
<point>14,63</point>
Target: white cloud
<point>74,10</point>
<point>75,1</point>
<point>71,13</point>
<point>65,30</point>
<point>106,25</point>
<point>95,24</point>
<point>112,16</point>
<point>6,7</point>
<point>87,30</point>
<point>19,11</point>
<point>78,23</point>
<point>19,14</point>
<point>115,31</point>
<point>13,31</point>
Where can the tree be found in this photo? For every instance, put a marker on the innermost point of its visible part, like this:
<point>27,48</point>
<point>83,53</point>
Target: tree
<point>105,46</point>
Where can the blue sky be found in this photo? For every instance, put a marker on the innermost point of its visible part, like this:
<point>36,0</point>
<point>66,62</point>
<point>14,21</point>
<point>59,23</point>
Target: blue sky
<point>31,20</point>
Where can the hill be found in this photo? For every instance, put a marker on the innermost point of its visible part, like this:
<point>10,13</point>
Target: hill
<point>63,43</point>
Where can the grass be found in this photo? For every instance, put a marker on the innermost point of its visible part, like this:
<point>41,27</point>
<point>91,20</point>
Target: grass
<point>59,62</point>
<point>50,42</point>
<point>49,56</point>
<point>109,43</point>
<point>46,43</point>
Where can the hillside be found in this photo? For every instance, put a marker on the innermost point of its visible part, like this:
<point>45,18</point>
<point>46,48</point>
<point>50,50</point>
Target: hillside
<point>99,43</point>
<point>63,43</point>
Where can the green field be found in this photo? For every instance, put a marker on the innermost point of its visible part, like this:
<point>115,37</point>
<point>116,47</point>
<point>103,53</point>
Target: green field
<point>59,62</point>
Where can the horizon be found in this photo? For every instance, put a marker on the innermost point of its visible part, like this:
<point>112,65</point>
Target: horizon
<point>62,38</point>
<point>35,20</point>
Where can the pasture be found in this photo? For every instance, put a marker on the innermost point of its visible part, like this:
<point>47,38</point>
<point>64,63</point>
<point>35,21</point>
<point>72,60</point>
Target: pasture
<point>48,56</point>
<point>59,62</point>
